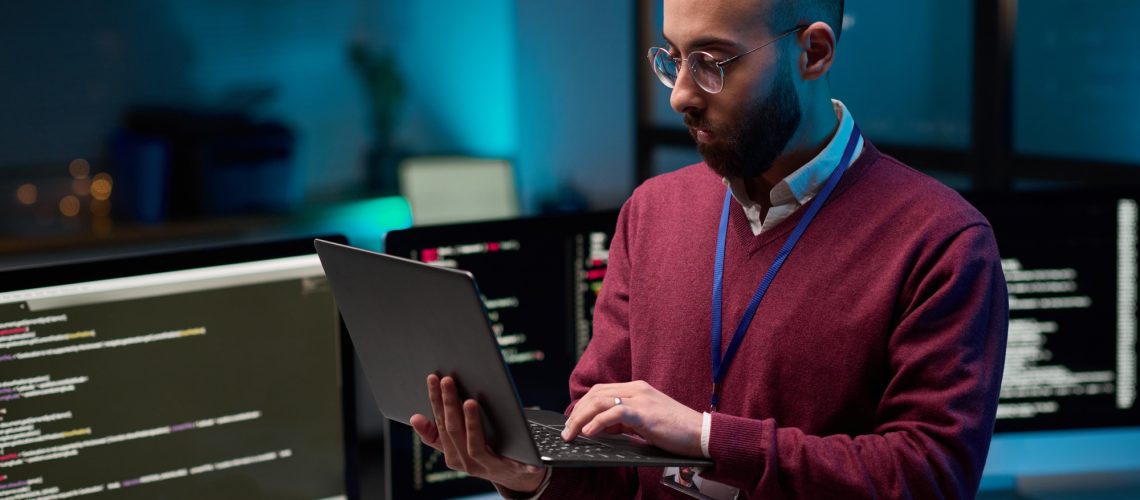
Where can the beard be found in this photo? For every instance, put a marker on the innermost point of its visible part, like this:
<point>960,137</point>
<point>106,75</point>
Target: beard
<point>747,148</point>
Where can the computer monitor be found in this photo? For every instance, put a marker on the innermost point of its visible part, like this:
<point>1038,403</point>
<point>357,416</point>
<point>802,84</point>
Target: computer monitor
<point>540,278</point>
<point>204,373</point>
<point>453,189</point>
<point>921,94</point>
<point>915,87</point>
<point>1074,72</point>
<point>1068,397</point>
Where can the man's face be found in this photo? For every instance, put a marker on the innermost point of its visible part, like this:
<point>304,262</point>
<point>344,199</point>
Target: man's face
<point>740,130</point>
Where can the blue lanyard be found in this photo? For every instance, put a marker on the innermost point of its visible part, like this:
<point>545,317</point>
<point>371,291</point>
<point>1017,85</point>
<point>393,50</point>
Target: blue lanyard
<point>719,364</point>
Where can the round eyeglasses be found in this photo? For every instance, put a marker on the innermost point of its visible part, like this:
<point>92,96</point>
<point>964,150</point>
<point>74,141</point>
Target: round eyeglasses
<point>704,68</point>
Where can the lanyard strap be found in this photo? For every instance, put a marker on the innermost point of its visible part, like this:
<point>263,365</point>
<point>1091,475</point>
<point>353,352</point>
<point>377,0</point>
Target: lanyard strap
<point>720,364</point>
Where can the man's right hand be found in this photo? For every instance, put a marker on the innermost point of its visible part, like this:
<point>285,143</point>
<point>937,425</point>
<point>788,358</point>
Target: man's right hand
<point>457,431</point>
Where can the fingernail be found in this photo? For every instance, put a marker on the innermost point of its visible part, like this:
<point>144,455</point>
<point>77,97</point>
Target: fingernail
<point>565,433</point>
<point>531,468</point>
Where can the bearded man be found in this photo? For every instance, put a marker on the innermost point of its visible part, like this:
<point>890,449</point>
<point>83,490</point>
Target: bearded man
<point>815,317</point>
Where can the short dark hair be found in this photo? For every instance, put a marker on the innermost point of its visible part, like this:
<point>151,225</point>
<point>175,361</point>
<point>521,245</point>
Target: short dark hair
<point>788,13</point>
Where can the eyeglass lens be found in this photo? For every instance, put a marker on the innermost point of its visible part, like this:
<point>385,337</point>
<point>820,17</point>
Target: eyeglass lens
<point>664,66</point>
<point>702,67</point>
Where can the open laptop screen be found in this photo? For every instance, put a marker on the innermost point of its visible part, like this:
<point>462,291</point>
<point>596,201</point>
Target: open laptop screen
<point>213,373</point>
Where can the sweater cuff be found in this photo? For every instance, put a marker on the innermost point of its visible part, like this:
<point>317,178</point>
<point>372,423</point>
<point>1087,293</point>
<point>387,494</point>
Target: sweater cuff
<point>739,449</point>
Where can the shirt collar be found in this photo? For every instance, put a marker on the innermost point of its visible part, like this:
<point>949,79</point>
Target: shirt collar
<point>800,185</point>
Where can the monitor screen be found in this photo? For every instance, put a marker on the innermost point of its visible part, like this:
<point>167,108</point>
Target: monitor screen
<point>209,373</point>
<point>1076,80</point>
<point>539,278</point>
<point>912,88</point>
<point>1070,265</point>
<point>453,189</point>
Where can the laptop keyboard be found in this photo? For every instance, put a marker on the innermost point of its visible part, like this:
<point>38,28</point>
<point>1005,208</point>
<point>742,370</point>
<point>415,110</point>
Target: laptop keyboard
<point>548,439</point>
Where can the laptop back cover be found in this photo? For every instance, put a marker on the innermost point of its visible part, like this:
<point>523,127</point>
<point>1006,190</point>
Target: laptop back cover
<point>406,320</point>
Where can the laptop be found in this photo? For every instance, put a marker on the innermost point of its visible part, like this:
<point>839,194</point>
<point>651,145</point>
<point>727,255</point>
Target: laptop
<point>407,319</point>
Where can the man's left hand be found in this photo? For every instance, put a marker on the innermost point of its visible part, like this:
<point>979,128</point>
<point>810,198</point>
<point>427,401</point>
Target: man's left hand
<point>638,408</point>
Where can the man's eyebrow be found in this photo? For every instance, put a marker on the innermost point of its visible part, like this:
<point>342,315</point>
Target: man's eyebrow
<point>704,42</point>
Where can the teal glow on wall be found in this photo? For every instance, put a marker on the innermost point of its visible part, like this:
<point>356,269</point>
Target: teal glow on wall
<point>363,222</point>
<point>458,61</point>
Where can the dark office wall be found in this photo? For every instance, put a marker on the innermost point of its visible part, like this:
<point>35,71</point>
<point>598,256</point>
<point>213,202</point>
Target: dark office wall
<point>576,90</point>
<point>498,78</point>
<point>547,85</point>
<point>71,67</point>
<point>457,61</point>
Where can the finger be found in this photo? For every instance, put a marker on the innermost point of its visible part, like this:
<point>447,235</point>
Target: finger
<point>427,431</point>
<point>481,454</point>
<point>621,415</point>
<point>477,446</point>
<point>453,419</point>
<point>476,441</point>
<point>583,413</point>
<point>436,399</point>
<point>435,394</point>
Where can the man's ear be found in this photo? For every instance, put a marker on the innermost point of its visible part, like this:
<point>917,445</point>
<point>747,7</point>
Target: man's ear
<point>818,44</point>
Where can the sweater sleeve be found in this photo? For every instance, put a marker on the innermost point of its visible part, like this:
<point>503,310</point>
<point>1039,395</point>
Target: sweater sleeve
<point>936,417</point>
<point>606,360</point>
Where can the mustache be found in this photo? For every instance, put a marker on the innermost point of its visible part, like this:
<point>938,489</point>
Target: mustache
<point>694,121</point>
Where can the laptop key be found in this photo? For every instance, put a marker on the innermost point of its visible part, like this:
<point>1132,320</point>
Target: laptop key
<point>549,441</point>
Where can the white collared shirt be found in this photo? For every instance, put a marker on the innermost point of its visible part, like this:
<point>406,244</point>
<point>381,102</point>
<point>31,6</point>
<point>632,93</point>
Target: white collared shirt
<point>798,188</point>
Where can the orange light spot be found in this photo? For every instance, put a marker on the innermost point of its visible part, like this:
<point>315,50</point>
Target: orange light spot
<point>27,194</point>
<point>101,187</point>
<point>69,206</point>
<point>79,168</point>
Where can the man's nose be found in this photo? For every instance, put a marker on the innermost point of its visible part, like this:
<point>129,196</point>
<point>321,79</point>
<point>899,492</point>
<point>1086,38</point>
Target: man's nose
<point>687,96</point>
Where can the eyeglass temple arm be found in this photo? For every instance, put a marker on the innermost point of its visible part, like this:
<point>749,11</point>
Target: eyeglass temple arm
<point>770,42</point>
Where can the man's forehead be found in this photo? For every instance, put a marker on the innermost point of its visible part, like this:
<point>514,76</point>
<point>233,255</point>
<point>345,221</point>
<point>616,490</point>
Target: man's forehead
<point>728,19</point>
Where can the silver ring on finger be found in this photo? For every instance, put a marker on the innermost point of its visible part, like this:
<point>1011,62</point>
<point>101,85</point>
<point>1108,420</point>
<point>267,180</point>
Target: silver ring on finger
<point>617,401</point>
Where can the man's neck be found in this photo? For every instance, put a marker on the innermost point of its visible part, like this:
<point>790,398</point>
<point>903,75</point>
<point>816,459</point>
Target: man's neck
<point>817,128</point>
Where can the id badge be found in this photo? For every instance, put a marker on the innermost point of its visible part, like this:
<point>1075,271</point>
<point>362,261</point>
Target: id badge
<point>688,480</point>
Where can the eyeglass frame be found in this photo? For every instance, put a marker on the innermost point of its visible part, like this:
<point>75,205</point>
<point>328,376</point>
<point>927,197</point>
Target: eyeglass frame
<point>680,61</point>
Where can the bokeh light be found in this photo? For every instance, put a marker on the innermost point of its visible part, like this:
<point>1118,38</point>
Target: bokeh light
<point>69,206</point>
<point>101,187</point>
<point>79,168</point>
<point>27,194</point>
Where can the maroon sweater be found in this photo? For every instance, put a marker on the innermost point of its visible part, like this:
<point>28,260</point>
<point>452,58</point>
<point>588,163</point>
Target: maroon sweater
<point>872,367</point>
